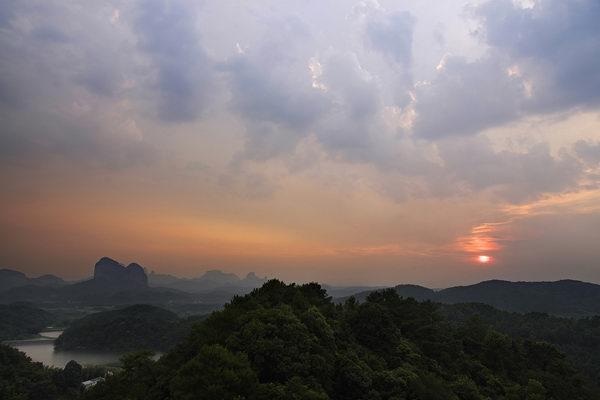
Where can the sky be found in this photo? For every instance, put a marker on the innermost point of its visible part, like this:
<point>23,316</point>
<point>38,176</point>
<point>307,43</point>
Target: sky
<point>349,142</point>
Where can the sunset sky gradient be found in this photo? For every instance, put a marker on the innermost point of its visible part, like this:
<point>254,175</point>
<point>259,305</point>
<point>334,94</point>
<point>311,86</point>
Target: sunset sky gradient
<point>371,142</point>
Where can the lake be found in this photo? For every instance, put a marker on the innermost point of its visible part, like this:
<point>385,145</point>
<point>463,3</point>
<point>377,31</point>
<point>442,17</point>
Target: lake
<point>42,350</point>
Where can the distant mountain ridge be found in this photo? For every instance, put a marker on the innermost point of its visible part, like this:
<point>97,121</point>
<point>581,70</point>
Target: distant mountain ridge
<point>10,278</point>
<point>137,327</point>
<point>19,320</point>
<point>115,283</point>
<point>210,281</point>
<point>112,273</point>
<point>112,283</point>
<point>563,298</point>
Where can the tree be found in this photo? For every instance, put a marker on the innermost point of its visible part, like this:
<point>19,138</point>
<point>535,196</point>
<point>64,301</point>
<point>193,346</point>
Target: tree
<point>72,374</point>
<point>215,373</point>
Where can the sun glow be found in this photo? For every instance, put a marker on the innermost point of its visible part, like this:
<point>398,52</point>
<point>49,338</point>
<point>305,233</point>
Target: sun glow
<point>484,259</point>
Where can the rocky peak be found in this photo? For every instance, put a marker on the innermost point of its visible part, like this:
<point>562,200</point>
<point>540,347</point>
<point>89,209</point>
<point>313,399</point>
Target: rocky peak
<point>113,273</point>
<point>107,268</point>
<point>252,280</point>
<point>220,277</point>
<point>136,273</point>
<point>10,278</point>
<point>252,277</point>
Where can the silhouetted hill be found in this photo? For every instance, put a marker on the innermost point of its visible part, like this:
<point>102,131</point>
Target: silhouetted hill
<point>112,283</point>
<point>292,342</point>
<point>48,280</point>
<point>10,279</point>
<point>110,278</point>
<point>138,327</point>
<point>21,320</point>
<point>417,292</point>
<point>23,379</point>
<point>161,280</point>
<point>111,273</point>
<point>214,281</point>
<point>564,298</point>
<point>578,338</point>
<point>343,291</point>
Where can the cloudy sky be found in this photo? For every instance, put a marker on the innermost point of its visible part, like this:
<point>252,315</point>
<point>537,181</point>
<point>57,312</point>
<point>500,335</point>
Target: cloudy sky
<point>342,141</point>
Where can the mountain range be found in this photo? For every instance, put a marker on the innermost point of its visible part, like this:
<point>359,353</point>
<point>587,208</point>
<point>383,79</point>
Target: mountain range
<point>112,283</point>
<point>209,281</point>
<point>10,279</point>
<point>562,298</point>
<point>115,283</point>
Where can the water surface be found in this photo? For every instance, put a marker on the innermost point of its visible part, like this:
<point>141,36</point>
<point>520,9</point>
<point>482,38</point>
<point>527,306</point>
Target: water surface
<point>42,350</point>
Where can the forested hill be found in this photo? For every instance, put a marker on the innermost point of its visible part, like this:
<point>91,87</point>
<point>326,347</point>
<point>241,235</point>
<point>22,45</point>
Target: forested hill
<point>112,284</point>
<point>23,379</point>
<point>21,320</point>
<point>292,342</point>
<point>578,338</point>
<point>138,327</point>
<point>563,298</point>
<point>12,279</point>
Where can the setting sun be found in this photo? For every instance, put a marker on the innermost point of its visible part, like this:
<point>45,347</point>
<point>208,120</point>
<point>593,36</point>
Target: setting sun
<point>484,259</point>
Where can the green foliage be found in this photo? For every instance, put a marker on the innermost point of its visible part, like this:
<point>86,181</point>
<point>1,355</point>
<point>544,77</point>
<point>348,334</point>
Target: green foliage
<point>535,390</point>
<point>139,327</point>
<point>215,373</point>
<point>291,342</point>
<point>22,379</point>
<point>566,298</point>
<point>72,373</point>
<point>138,376</point>
<point>579,339</point>
<point>22,320</point>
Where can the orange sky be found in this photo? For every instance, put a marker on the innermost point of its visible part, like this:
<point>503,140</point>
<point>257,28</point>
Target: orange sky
<point>352,143</point>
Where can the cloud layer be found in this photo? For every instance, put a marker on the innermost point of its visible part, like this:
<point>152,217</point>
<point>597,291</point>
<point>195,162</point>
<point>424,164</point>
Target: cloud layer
<point>211,106</point>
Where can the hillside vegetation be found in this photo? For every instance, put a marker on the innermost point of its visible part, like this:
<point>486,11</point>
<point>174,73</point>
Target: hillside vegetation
<point>292,342</point>
<point>567,298</point>
<point>22,320</point>
<point>578,338</point>
<point>22,379</point>
<point>132,328</point>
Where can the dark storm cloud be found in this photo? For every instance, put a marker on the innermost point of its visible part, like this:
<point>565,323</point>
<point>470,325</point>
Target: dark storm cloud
<point>588,151</point>
<point>49,34</point>
<point>289,82</point>
<point>7,11</point>
<point>466,97</point>
<point>45,114</point>
<point>262,97</point>
<point>541,59</point>
<point>100,81</point>
<point>284,90</point>
<point>272,90</point>
<point>347,129</point>
<point>38,140</point>
<point>514,176</point>
<point>393,36</point>
<point>562,40</point>
<point>167,32</point>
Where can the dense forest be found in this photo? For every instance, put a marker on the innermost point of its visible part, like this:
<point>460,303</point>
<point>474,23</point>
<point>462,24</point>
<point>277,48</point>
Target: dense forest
<point>292,342</point>
<point>22,379</point>
<point>565,298</point>
<point>578,338</point>
<point>138,327</point>
<point>22,320</point>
